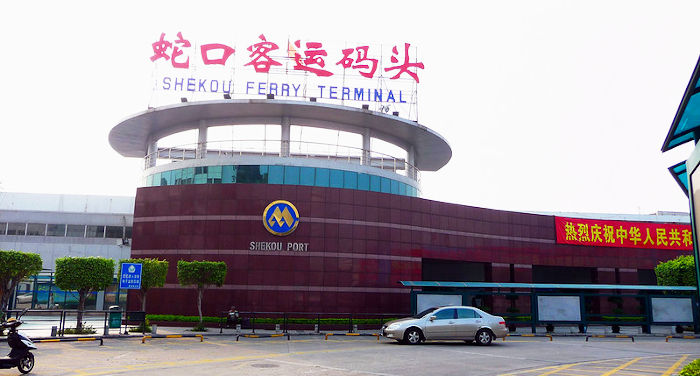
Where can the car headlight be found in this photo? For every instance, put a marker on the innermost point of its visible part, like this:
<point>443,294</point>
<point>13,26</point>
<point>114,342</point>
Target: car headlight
<point>393,326</point>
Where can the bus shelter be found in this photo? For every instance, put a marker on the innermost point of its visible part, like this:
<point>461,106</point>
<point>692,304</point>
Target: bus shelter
<point>545,304</point>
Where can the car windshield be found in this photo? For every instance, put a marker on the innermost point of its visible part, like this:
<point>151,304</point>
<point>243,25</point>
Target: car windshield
<point>421,314</point>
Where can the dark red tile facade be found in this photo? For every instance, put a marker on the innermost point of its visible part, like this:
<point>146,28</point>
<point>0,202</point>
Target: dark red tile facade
<point>361,244</point>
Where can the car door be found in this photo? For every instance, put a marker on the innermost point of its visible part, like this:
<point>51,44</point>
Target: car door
<point>468,322</point>
<point>443,326</point>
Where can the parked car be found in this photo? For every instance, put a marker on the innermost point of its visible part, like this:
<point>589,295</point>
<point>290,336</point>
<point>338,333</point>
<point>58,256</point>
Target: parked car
<point>447,323</point>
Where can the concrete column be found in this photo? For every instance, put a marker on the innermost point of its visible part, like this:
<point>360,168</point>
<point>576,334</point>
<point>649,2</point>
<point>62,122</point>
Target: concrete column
<point>499,273</point>
<point>412,172</point>
<point>628,276</point>
<point>151,155</point>
<point>99,304</point>
<point>202,140</point>
<point>285,136</point>
<point>523,273</point>
<point>366,136</point>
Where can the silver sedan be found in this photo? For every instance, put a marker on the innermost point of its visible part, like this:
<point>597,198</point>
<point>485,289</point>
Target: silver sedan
<point>447,323</point>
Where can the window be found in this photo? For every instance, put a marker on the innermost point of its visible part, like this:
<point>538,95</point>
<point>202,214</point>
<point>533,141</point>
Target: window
<point>187,176</point>
<point>252,174</point>
<point>411,191</point>
<point>276,175</point>
<point>228,174</point>
<point>214,175</point>
<point>56,230</point>
<point>350,180</point>
<point>200,175</point>
<point>36,229</point>
<point>322,177</point>
<point>336,179</point>
<point>166,178</point>
<point>176,177</point>
<point>306,176</point>
<point>114,232</point>
<point>3,228</point>
<point>76,231</point>
<point>16,228</point>
<point>291,175</point>
<point>374,183</point>
<point>446,314</point>
<point>465,313</point>
<point>394,187</point>
<point>363,182</point>
<point>95,231</point>
<point>156,179</point>
<point>386,185</point>
<point>127,232</point>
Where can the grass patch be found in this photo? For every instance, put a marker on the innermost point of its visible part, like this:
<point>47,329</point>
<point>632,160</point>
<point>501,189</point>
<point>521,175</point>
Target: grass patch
<point>86,329</point>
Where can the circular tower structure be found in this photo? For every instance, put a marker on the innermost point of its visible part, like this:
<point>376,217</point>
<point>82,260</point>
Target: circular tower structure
<point>302,225</point>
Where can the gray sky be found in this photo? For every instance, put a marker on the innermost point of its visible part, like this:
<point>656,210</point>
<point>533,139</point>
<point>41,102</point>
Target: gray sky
<point>548,105</point>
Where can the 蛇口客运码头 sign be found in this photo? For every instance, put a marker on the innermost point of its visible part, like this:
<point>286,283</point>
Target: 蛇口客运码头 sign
<point>604,233</point>
<point>292,68</point>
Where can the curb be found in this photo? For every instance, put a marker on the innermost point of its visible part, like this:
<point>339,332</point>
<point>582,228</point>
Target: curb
<point>69,339</point>
<point>353,334</point>
<point>682,337</point>
<point>529,335</point>
<point>262,336</point>
<point>201,337</point>
<point>610,336</point>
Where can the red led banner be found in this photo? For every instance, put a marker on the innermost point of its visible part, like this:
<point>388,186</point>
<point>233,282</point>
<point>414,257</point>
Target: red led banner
<point>604,233</point>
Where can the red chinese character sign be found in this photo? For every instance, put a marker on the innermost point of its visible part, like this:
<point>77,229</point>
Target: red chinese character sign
<point>603,233</point>
<point>287,67</point>
<point>259,52</point>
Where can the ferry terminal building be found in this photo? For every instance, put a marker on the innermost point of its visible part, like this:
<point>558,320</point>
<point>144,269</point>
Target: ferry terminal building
<point>307,230</point>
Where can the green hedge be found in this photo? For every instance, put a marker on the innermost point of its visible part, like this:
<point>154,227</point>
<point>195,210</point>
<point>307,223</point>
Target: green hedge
<point>269,320</point>
<point>691,369</point>
<point>181,318</point>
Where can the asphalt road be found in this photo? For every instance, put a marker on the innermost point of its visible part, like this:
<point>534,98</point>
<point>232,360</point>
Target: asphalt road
<point>312,355</point>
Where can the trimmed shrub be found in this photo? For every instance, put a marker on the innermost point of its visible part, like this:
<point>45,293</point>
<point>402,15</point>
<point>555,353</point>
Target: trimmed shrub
<point>691,369</point>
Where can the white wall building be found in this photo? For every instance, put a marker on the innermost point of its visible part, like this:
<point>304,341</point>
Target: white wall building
<point>59,225</point>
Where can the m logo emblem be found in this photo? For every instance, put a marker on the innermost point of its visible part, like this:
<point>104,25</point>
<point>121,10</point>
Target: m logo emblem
<point>280,218</point>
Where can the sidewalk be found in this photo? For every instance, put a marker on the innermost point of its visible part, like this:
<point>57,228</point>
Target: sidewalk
<point>45,331</point>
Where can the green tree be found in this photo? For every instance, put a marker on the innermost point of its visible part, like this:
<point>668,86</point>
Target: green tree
<point>677,272</point>
<point>153,273</point>
<point>84,275</point>
<point>14,267</point>
<point>202,274</point>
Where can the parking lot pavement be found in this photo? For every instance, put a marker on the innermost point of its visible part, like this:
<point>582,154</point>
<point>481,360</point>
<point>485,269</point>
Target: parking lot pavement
<point>313,355</point>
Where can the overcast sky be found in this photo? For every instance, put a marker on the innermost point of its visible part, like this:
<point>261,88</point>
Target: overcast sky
<point>553,106</point>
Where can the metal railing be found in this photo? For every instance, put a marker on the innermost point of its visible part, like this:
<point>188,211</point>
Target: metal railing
<point>40,323</point>
<point>317,322</point>
<point>276,148</point>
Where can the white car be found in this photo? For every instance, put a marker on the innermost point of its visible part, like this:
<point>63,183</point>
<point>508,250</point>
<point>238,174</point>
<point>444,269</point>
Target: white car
<point>447,323</point>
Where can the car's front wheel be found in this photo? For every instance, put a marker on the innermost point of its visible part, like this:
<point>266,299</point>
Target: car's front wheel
<point>484,337</point>
<point>413,336</point>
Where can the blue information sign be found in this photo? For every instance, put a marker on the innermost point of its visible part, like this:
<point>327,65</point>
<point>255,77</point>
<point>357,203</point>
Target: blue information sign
<point>130,277</point>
